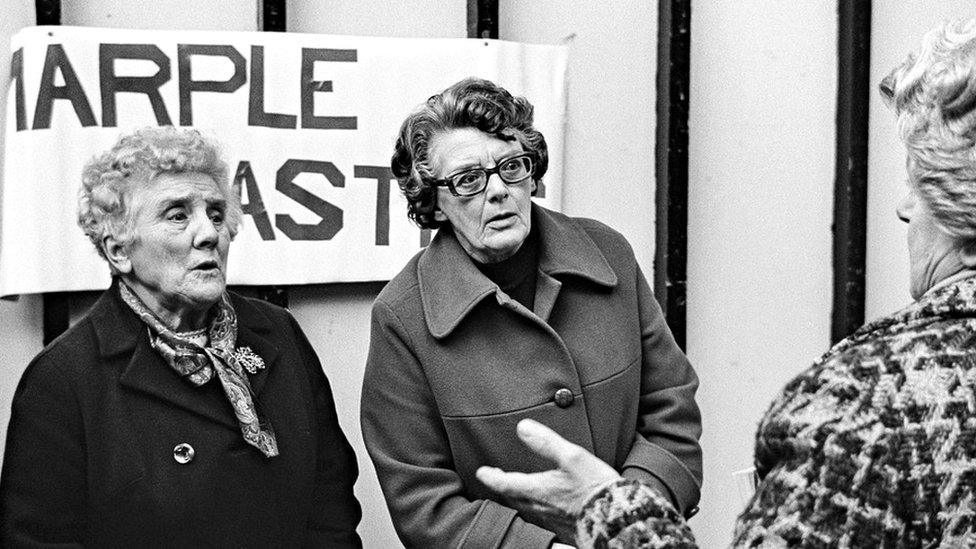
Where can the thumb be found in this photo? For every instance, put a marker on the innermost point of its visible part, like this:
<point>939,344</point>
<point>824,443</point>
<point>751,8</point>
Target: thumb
<point>546,442</point>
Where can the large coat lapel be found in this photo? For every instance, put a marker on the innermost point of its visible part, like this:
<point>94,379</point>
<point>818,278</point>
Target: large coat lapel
<point>451,285</point>
<point>253,331</point>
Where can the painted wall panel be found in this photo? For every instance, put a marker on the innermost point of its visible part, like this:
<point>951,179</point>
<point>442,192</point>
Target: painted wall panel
<point>762,107</point>
<point>609,173</point>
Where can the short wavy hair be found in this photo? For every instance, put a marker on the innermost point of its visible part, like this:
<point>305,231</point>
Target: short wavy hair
<point>933,93</point>
<point>136,159</point>
<point>470,103</point>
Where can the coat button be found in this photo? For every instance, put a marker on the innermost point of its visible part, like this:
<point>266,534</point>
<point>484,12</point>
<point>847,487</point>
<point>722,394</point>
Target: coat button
<point>183,453</point>
<point>563,398</point>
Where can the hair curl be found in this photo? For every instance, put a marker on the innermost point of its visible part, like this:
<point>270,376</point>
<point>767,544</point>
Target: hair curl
<point>933,93</point>
<point>109,179</point>
<point>470,103</point>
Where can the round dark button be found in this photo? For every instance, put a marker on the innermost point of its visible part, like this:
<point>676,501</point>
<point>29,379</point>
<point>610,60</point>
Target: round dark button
<point>563,398</point>
<point>183,453</point>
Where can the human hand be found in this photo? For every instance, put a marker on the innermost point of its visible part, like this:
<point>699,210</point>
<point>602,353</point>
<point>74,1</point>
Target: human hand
<point>556,497</point>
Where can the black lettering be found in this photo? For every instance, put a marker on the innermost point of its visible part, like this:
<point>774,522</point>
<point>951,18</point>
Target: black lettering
<point>310,86</point>
<point>188,85</point>
<point>255,109</point>
<point>17,76</point>
<point>383,175</point>
<point>148,85</point>
<point>57,60</point>
<point>255,205</point>
<point>330,214</point>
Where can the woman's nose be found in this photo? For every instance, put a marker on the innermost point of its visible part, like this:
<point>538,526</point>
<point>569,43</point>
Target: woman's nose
<point>206,235</point>
<point>496,188</point>
<point>905,207</point>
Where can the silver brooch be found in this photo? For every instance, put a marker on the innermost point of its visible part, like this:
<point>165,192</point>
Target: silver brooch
<point>248,359</point>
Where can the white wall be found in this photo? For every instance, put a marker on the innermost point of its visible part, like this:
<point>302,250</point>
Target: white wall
<point>609,166</point>
<point>896,29</point>
<point>761,125</point>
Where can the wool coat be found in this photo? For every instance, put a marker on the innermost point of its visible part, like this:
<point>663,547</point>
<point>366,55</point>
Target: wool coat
<point>870,447</point>
<point>873,445</point>
<point>454,363</point>
<point>91,455</point>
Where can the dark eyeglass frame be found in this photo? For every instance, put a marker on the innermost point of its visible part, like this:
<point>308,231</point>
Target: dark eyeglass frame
<point>447,181</point>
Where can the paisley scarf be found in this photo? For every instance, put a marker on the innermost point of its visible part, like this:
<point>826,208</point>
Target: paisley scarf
<point>198,363</point>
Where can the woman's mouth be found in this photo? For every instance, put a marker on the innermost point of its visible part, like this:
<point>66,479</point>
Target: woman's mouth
<point>206,266</point>
<point>500,219</point>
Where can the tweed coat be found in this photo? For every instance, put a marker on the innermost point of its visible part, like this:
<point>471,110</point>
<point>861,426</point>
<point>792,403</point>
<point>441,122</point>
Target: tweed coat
<point>454,363</point>
<point>97,415</point>
<point>873,445</point>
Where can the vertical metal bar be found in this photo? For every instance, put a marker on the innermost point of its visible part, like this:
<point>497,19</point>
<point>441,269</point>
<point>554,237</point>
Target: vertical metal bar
<point>272,16</point>
<point>48,12</point>
<point>851,171</point>
<point>671,163</point>
<point>273,20</point>
<point>56,314</point>
<point>56,305</point>
<point>482,18</point>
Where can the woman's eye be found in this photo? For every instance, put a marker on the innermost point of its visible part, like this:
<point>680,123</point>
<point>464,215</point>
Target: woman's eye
<point>467,179</point>
<point>177,215</point>
<point>511,165</point>
<point>217,217</point>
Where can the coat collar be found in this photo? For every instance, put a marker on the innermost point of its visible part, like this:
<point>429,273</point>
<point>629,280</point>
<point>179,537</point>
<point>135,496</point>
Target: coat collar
<point>954,300</point>
<point>451,285</point>
<point>119,332</point>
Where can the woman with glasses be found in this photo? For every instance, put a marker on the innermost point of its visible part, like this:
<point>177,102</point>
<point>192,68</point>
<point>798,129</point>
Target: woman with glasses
<point>513,311</point>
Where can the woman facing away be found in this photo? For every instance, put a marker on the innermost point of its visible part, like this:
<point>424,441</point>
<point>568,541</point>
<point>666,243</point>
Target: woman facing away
<point>875,444</point>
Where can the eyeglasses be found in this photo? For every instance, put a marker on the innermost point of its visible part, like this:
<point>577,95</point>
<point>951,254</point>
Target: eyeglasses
<point>511,170</point>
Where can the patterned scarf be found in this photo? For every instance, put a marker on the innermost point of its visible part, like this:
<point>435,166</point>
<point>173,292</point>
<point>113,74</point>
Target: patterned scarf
<point>197,364</point>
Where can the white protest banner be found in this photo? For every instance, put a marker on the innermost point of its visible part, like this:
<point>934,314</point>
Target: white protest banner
<point>307,124</point>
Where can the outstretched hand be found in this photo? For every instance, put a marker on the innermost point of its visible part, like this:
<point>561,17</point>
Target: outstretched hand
<point>555,497</point>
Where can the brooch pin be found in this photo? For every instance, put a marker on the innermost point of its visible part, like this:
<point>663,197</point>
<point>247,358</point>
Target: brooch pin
<point>248,359</point>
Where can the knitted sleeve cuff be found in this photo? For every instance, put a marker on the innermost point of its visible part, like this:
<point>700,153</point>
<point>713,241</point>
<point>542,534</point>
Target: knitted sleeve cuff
<point>629,514</point>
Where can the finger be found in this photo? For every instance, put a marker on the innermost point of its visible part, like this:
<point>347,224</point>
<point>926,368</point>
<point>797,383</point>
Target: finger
<point>520,485</point>
<point>547,443</point>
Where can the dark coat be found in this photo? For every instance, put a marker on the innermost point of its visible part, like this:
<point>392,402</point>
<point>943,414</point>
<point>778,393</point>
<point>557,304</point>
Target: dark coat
<point>455,363</point>
<point>96,417</point>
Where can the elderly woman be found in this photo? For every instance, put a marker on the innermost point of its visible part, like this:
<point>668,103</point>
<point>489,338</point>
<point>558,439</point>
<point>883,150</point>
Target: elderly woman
<point>875,444</point>
<point>175,413</point>
<point>512,312</point>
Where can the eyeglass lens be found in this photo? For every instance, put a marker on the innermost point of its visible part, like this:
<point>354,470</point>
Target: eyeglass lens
<point>510,170</point>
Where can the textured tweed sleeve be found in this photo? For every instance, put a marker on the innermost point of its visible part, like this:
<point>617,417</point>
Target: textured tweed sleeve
<point>630,514</point>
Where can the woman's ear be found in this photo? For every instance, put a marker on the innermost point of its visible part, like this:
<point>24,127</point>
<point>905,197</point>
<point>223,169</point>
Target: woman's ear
<point>439,215</point>
<point>117,254</point>
<point>967,254</point>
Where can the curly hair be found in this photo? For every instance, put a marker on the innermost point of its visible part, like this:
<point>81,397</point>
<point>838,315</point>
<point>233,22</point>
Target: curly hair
<point>470,103</point>
<point>108,179</point>
<point>933,93</point>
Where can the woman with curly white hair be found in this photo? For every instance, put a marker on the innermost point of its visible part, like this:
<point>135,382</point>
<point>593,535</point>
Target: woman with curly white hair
<point>175,413</point>
<point>875,444</point>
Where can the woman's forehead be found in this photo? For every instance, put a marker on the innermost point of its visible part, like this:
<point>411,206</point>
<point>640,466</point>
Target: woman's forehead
<point>170,188</point>
<point>188,185</point>
<point>463,147</point>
